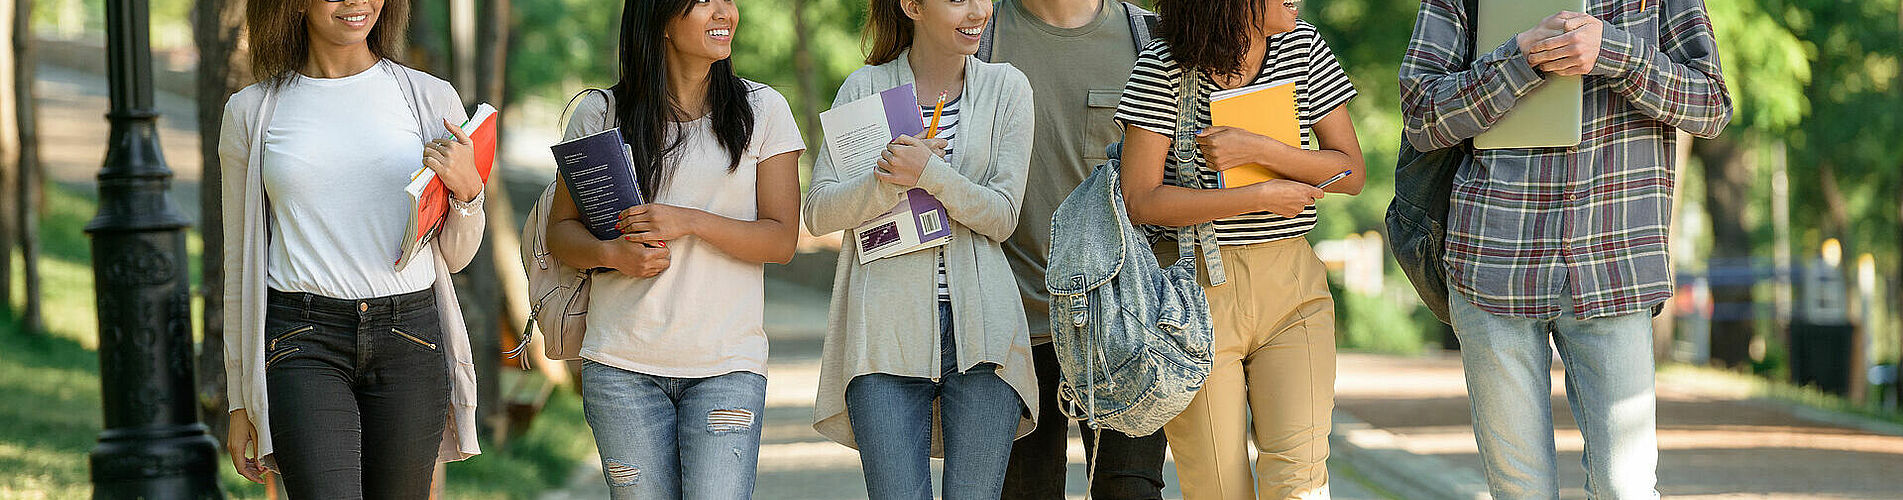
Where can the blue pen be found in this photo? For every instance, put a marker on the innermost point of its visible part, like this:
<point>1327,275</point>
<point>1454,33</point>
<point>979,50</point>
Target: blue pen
<point>1331,180</point>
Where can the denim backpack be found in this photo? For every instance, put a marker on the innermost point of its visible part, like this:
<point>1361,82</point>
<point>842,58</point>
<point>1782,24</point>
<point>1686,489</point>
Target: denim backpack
<point>1417,218</point>
<point>1132,339</point>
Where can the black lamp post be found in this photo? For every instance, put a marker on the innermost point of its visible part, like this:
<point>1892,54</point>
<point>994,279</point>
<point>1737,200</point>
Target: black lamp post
<point>153,445</point>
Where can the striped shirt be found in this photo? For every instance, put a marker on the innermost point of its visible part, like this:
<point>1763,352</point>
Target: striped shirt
<point>1300,56</point>
<point>947,130</point>
<point>1527,227</point>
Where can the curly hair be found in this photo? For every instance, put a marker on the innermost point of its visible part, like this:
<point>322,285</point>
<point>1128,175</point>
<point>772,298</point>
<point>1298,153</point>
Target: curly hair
<point>1210,35</point>
<point>280,42</point>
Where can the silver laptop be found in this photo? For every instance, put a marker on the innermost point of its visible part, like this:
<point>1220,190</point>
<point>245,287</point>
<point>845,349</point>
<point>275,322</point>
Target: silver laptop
<point>1549,116</point>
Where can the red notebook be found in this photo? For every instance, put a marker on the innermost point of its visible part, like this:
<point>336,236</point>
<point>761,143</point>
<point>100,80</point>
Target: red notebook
<point>429,197</point>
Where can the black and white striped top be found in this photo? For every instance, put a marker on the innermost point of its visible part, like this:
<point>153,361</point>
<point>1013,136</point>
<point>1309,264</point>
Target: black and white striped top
<point>1150,100</point>
<point>947,130</point>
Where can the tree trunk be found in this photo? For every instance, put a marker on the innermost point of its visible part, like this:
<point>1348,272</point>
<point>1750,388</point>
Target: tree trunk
<point>476,286</point>
<point>426,46</point>
<point>1728,183</point>
<point>463,22</point>
<point>217,29</point>
<point>492,77</point>
<point>1837,216</point>
<point>9,157</point>
<point>805,87</point>
<point>28,194</point>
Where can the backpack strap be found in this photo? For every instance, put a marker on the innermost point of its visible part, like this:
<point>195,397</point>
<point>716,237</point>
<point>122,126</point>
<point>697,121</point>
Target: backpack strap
<point>1183,149</point>
<point>1142,24</point>
<point>411,96</point>
<point>1142,28</point>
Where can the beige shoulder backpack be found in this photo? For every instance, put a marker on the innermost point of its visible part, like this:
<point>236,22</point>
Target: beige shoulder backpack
<point>558,293</point>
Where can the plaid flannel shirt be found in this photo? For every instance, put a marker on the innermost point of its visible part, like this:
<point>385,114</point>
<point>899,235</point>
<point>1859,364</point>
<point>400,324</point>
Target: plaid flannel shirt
<point>1528,225</point>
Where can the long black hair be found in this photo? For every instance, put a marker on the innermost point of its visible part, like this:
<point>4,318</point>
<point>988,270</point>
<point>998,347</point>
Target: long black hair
<point>644,112</point>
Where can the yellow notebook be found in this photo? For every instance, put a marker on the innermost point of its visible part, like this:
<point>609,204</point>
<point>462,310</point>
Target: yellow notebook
<point>1267,110</point>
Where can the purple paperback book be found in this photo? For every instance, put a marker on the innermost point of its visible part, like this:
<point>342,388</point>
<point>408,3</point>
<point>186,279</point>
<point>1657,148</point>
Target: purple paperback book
<point>900,102</point>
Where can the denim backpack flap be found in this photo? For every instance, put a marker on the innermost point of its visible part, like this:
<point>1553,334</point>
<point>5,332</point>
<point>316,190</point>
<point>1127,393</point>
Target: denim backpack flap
<point>1132,339</point>
<point>1093,209</point>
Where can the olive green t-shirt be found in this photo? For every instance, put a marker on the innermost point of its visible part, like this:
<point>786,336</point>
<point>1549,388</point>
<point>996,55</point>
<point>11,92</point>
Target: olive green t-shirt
<point>1077,76</point>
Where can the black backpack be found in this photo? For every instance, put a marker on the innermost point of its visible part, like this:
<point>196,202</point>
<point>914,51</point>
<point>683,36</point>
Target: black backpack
<point>1142,27</point>
<point>1417,218</point>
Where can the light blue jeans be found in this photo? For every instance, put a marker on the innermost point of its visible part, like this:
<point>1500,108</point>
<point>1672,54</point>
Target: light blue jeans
<point>671,438</point>
<point>892,422</point>
<point>1608,364</point>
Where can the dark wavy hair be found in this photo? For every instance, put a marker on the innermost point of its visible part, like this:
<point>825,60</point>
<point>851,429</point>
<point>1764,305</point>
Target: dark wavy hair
<point>644,112</point>
<point>280,42</point>
<point>1210,35</point>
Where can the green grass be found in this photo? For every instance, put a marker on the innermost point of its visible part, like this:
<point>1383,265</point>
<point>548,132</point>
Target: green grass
<point>50,401</point>
<point>539,460</point>
<point>50,388</point>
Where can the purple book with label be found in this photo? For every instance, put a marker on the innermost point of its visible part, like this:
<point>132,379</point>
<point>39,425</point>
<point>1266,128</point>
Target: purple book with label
<point>856,134</point>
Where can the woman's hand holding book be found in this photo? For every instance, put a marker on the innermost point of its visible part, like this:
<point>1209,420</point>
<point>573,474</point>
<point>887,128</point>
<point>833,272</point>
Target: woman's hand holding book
<point>454,161</point>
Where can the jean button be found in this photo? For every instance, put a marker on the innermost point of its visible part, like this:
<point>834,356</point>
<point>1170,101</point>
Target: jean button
<point>363,306</point>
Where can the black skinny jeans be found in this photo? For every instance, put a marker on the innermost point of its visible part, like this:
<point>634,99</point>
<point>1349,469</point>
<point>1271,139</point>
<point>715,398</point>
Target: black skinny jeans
<point>1127,467</point>
<point>359,394</point>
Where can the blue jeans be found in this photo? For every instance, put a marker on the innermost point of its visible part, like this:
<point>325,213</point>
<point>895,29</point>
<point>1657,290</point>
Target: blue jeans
<point>892,422</point>
<point>1608,364</point>
<point>670,438</point>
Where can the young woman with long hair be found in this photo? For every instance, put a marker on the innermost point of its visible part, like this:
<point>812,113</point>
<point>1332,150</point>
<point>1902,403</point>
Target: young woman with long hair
<point>674,372</point>
<point>347,374</point>
<point>933,339</point>
<point>1273,373</point>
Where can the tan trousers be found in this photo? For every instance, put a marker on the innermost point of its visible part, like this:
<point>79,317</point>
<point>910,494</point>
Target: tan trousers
<point>1274,360</point>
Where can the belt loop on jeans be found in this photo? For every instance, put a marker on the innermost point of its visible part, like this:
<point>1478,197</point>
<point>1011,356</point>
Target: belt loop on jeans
<point>307,305</point>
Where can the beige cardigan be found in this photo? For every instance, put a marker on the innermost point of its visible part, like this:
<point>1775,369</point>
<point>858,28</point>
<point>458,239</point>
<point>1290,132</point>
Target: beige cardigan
<point>884,315</point>
<point>246,246</point>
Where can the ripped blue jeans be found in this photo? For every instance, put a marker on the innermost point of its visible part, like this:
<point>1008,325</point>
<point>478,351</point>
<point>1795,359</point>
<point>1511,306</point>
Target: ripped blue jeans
<point>669,438</point>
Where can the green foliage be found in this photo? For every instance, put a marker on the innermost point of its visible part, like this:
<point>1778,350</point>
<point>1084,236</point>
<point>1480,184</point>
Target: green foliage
<point>51,388</point>
<point>1855,118</point>
<point>540,460</point>
<point>1765,65</point>
<point>560,46</point>
<point>1378,324</point>
<point>49,385</point>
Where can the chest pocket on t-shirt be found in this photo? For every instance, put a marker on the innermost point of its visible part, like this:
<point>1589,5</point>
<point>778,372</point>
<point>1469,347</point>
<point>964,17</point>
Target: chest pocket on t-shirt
<point>1100,125</point>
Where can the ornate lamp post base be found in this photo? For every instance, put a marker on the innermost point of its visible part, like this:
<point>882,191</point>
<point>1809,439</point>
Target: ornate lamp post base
<point>153,445</point>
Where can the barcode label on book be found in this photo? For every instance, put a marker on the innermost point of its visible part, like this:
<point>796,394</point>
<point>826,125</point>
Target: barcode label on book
<point>928,223</point>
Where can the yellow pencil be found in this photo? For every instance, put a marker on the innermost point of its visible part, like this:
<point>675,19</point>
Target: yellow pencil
<point>937,112</point>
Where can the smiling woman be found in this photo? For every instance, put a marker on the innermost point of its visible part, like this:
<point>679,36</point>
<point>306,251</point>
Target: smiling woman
<point>674,389</point>
<point>283,33</point>
<point>348,375</point>
<point>934,338</point>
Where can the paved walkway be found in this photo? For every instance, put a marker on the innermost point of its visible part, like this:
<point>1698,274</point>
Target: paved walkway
<point>796,462</point>
<point>1714,442</point>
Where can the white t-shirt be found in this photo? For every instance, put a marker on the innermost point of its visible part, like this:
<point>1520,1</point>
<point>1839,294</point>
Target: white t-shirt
<point>703,316</point>
<point>337,155</point>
